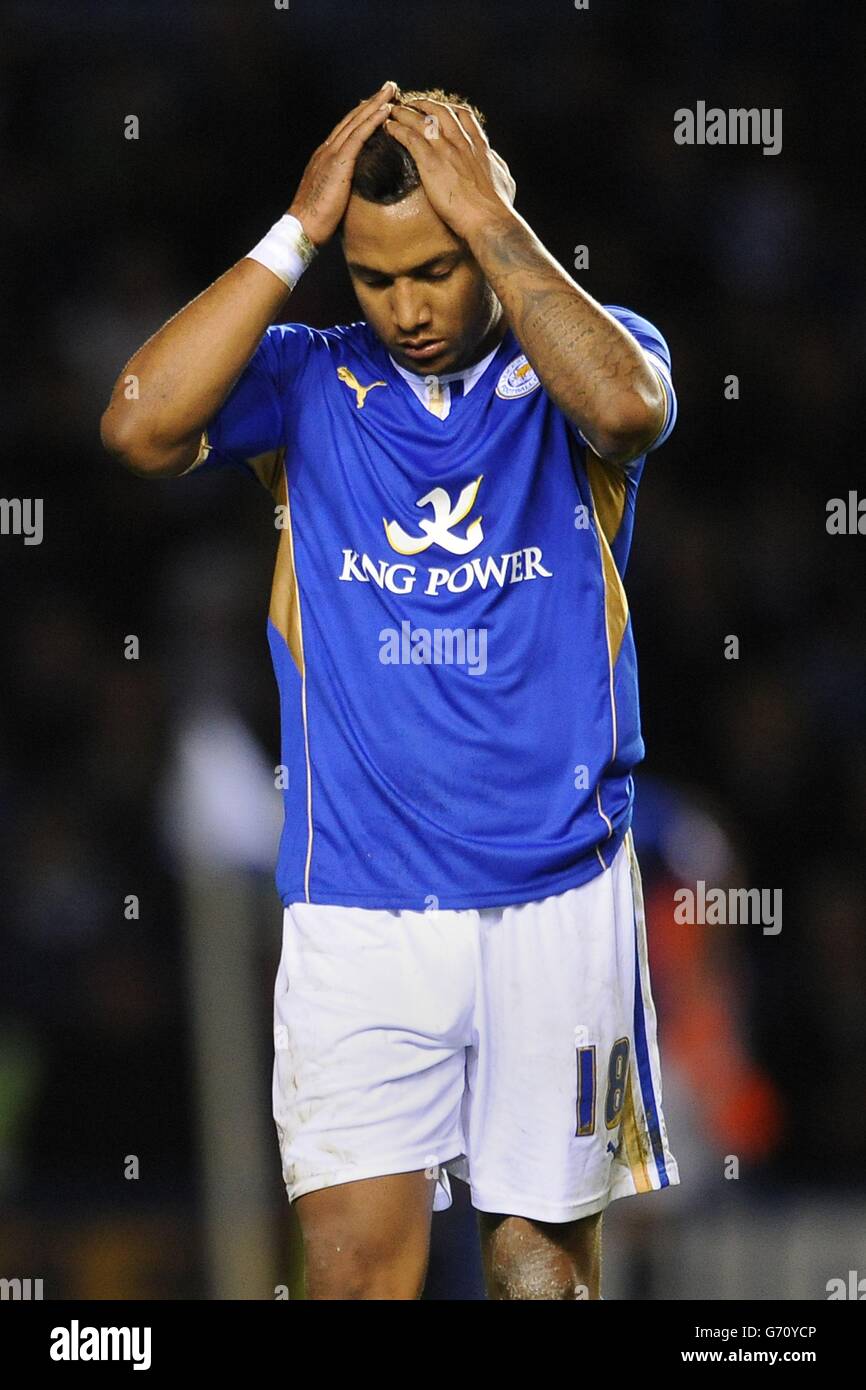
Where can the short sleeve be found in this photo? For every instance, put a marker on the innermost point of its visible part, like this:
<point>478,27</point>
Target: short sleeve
<point>658,356</point>
<point>249,427</point>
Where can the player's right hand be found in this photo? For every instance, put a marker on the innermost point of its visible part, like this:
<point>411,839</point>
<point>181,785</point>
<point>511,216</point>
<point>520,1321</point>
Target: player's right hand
<point>323,192</point>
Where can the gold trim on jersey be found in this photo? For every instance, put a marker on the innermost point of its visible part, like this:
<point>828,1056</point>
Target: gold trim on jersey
<point>285,610</point>
<point>204,448</point>
<point>608,485</point>
<point>268,468</point>
<point>285,614</point>
<point>608,501</point>
<point>608,492</point>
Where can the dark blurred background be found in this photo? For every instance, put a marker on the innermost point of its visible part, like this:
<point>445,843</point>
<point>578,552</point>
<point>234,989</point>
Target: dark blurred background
<point>137,1152</point>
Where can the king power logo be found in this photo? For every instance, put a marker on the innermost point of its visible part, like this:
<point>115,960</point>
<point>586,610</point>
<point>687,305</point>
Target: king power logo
<point>439,530</point>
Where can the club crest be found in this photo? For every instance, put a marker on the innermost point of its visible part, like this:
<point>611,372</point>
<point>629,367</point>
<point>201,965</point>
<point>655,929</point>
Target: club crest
<point>518,379</point>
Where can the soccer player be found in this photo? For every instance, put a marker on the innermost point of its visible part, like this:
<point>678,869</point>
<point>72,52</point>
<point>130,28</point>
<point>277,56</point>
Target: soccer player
<point>463,988</point>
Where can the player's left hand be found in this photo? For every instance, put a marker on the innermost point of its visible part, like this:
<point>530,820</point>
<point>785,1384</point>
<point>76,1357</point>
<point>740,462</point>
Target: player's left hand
<point>464,179</point>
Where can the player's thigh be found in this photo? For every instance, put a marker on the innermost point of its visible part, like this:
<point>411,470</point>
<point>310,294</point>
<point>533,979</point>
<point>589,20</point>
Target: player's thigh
<point>369,1238</point>
<point>372,1016</point>
<point>530,1259</point>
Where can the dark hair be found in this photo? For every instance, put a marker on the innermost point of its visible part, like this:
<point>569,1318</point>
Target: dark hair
<point>385,171</point>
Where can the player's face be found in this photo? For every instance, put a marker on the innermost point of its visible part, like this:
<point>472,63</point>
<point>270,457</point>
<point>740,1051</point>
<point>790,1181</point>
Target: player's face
<point>419,287</point>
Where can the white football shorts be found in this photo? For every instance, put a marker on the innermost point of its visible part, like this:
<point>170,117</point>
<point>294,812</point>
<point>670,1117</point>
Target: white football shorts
<point>512,1047</point>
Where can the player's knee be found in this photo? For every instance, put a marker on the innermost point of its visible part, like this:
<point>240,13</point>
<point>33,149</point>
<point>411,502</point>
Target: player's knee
<point>367,1239</point>
<point>528,1260</point>
<point>366,1269</point>
<point>543,1277</point>
<point>346,1259</point>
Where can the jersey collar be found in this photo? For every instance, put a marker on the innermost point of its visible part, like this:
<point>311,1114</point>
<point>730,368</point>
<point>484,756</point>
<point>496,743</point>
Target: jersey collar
<point>469,375</point>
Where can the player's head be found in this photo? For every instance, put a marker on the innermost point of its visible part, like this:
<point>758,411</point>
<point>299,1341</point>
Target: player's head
<point>414,279</point>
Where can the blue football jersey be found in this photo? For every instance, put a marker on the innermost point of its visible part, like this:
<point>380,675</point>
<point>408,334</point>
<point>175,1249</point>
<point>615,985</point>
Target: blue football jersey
<point>448,624</point>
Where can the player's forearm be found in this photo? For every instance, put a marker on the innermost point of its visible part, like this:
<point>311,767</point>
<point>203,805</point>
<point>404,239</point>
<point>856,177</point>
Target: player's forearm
<point>588,363</point>
<point>176,382</point>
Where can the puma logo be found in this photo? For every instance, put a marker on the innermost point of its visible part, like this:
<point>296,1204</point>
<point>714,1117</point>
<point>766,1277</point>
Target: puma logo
<point>349,379</point>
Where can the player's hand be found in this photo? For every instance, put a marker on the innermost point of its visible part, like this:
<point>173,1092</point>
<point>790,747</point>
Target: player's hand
<point>464,178</point>
<point>323,192</point>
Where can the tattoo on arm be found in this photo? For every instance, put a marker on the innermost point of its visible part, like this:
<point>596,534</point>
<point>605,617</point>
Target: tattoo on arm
<point>588,363</point>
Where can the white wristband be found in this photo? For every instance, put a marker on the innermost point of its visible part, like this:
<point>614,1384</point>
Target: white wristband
<point>285,249</point>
